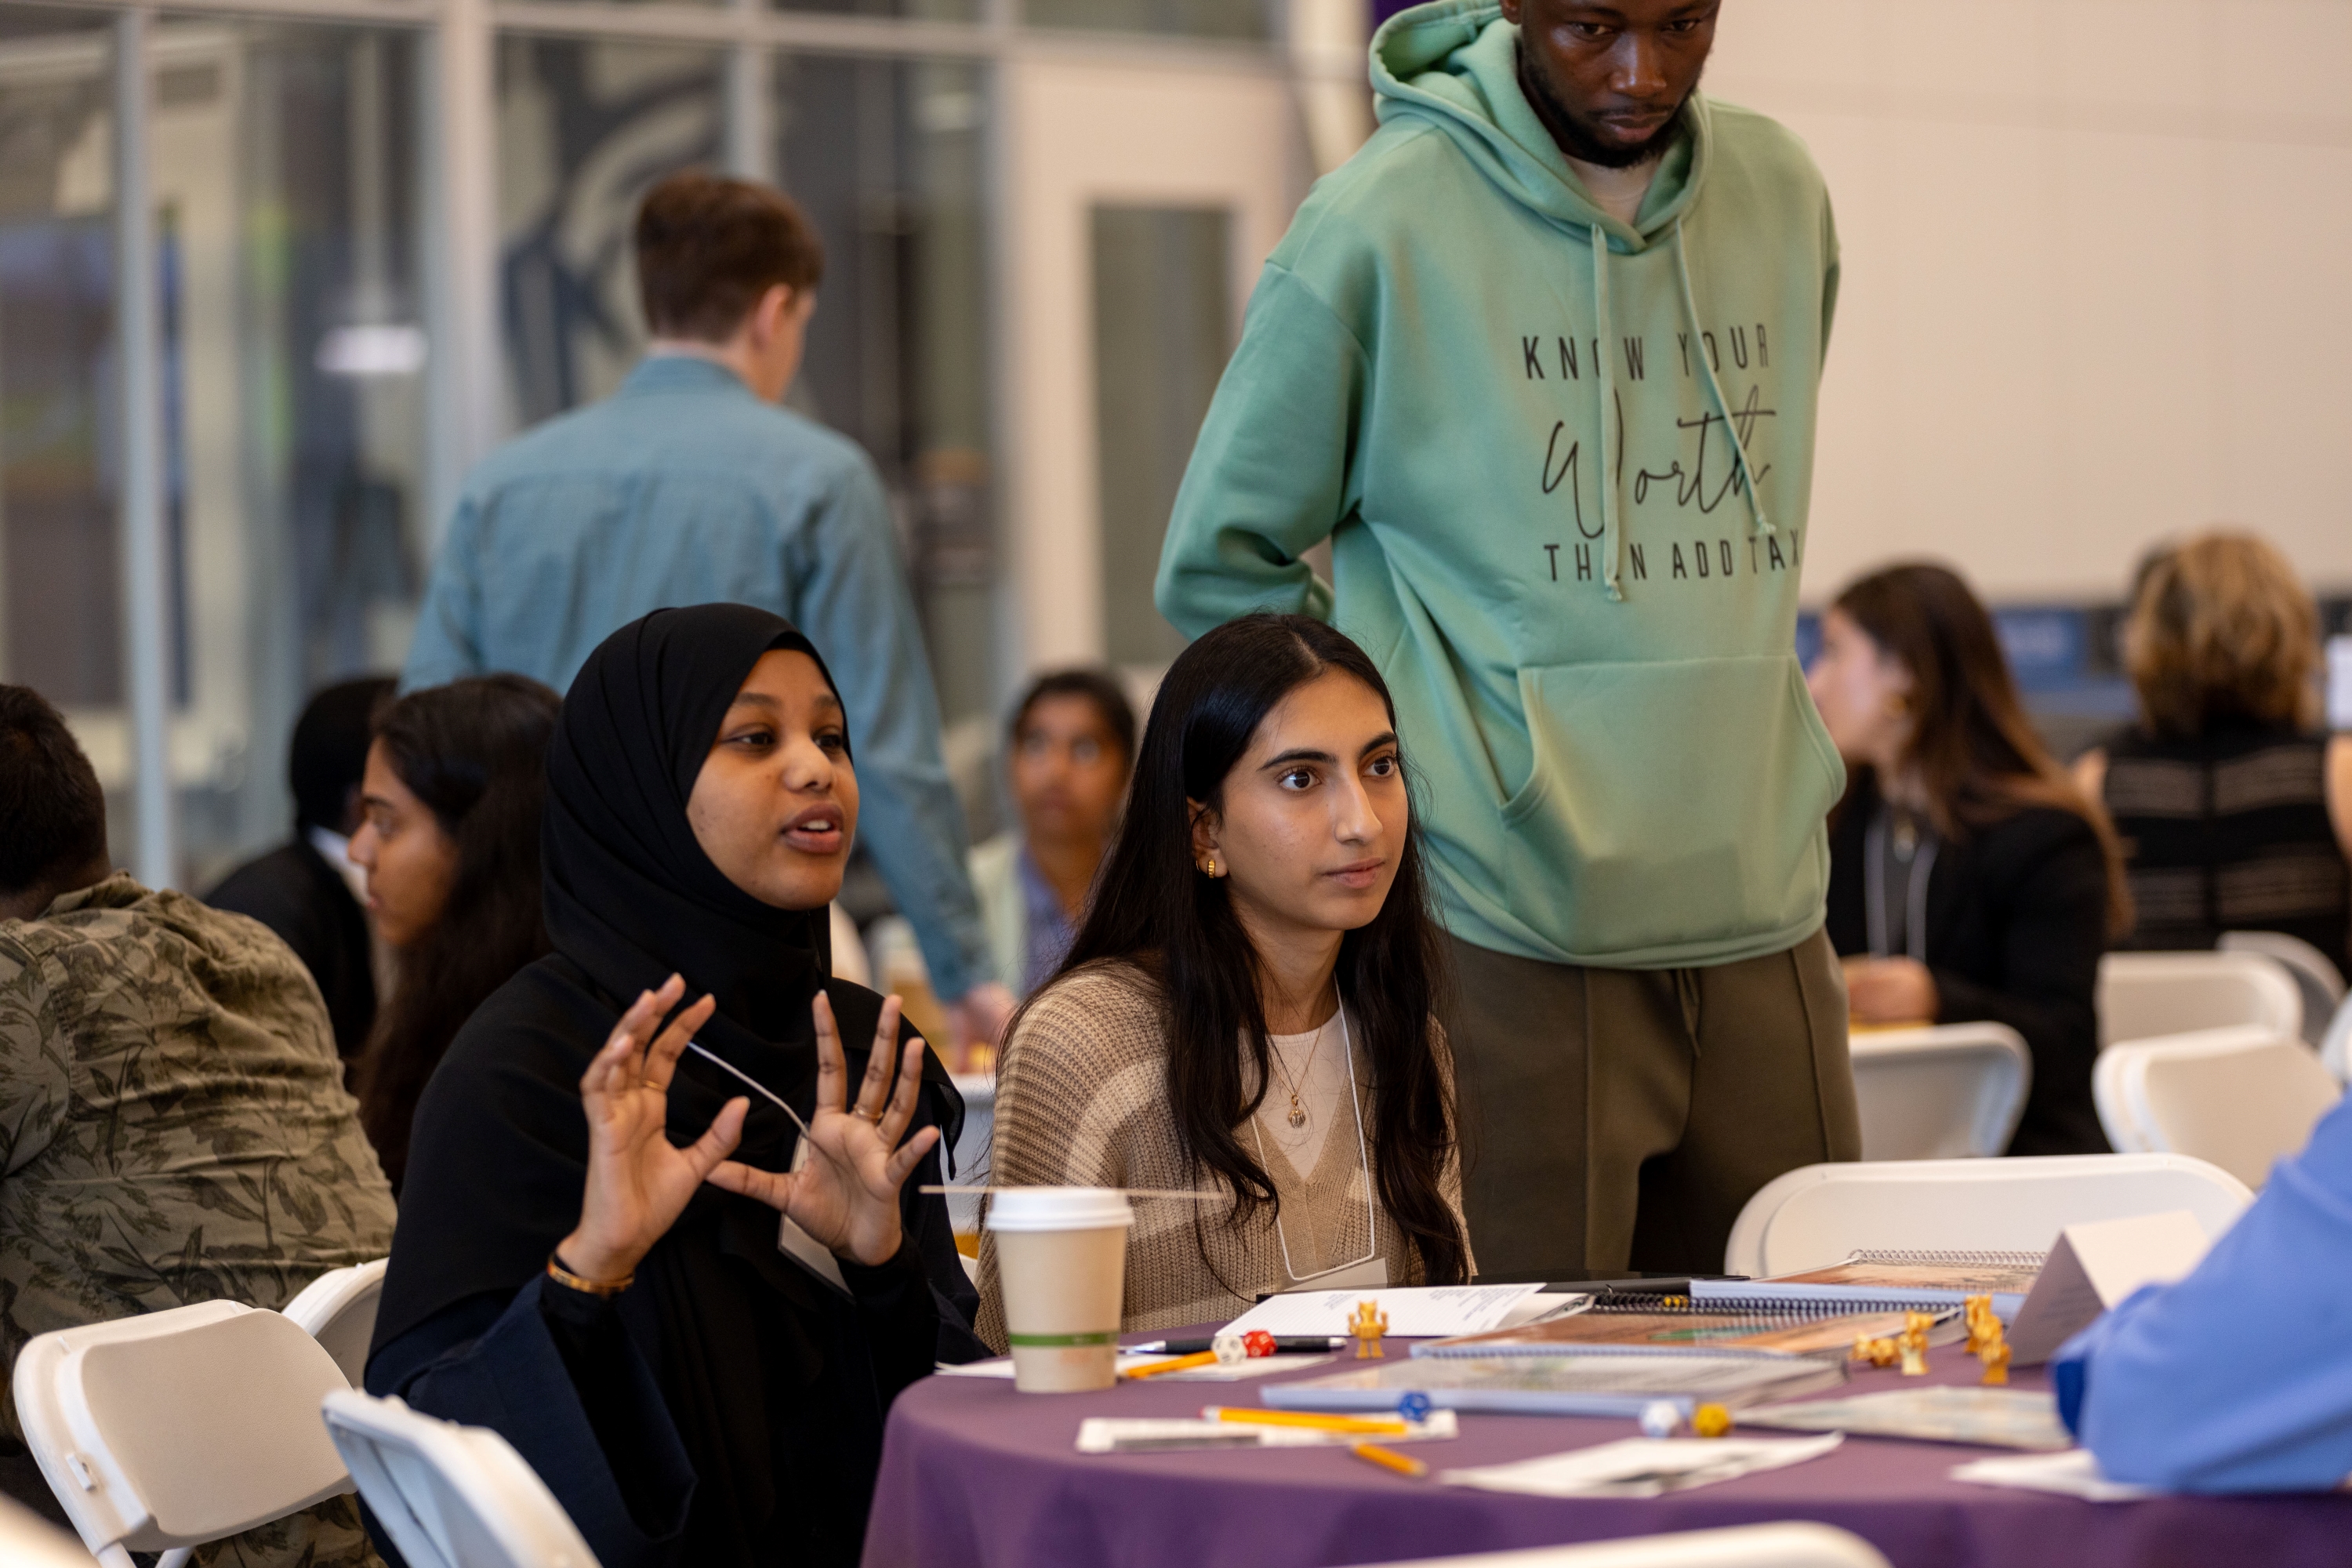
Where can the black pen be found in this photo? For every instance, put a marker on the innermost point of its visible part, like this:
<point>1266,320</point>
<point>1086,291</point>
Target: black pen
<point>1284,1345</point>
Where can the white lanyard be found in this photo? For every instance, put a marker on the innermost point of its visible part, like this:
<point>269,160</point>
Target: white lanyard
<point>1873,877</point>
<point>1364,1158</point>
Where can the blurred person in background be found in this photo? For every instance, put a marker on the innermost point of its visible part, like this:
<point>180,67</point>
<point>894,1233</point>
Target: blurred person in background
<point>449,839</point>
<point>309,890</point>
<point>1073,750</point>
<point>1970,879</point>
<point>690,486</point>
<point>2234,810</point>
<point>173,1125</point>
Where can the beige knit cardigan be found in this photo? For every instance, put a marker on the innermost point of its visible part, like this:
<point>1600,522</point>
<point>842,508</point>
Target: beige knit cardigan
<point>1082,1101</point>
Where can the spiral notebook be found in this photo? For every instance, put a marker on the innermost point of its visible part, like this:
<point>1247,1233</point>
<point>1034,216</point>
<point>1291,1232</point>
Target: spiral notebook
<point>1672,1324</point>
<point>1891,1280</point>
<point>1595,1381</point>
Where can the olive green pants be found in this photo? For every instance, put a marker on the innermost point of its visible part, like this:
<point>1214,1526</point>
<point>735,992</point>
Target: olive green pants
<point>1617,1118</point>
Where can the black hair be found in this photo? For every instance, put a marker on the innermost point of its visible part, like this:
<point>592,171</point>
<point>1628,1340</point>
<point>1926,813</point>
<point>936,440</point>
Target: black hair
<point>1097,685</point>
<point>329,751</point>
<point>474,752</point>
<point>52,813</point>
<point>1151,907</point>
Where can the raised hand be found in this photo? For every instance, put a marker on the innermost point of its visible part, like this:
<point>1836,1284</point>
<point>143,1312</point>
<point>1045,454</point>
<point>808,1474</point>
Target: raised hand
<point>638,1181</point>
<point>846,1194</point>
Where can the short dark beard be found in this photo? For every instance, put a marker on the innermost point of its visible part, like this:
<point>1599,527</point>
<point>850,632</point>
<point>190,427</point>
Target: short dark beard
<point>1572,137</point>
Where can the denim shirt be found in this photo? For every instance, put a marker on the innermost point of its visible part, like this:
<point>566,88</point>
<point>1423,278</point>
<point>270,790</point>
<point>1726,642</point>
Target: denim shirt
<point>685,488</point>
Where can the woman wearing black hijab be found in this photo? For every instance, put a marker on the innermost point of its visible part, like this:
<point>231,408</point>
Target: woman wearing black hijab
<point>608,1289</point>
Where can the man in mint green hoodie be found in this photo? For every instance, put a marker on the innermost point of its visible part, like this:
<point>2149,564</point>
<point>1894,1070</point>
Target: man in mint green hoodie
<point>1541,362</point>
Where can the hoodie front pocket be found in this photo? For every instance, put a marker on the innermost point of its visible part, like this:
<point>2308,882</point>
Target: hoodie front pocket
<point>1673,808</point>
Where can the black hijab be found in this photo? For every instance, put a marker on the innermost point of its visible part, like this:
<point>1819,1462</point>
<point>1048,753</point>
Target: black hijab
<point>499,1150</point>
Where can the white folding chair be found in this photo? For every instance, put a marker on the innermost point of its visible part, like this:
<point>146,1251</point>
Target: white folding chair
<point>1787,1545</point>
<point>2336,1044</point>
<point>450,1496</point>
<point>28,1540</point>
<point>2316,976</point>
<point>162,1432</point>
<point>1818,1215</point>
<point>1940,1093</point>
<point>2143,994</point>
<point>2241,1097</point>
<point>337,1309</point>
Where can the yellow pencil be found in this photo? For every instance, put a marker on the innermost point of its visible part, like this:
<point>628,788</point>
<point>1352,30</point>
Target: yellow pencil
<point>1388,1460</point>
<point>1382,1426</point>
<point>1181,1364</point>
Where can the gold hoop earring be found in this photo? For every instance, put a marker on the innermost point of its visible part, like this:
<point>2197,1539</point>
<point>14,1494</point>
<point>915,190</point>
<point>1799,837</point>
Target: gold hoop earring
<point>1209,867</point>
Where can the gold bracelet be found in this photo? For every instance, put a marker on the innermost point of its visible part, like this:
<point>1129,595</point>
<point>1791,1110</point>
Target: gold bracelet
<point>571,1281</point>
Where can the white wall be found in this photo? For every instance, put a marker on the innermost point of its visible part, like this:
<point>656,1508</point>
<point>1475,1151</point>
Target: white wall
<point>2097,257</point>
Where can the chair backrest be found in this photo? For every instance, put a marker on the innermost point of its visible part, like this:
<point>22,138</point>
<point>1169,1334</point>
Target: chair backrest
<point>28,1540</point>
<point>177,1428</point>
<point>1939,1093</point>
<point>1817,1214</point>
<point>1787,1545</point>
<point>2315,973</point>
<point>2336,1044</point>
<point>2143,994</point>
<point>337,1309</point>
<point>2242,1098</point>
<point>450,1496</point>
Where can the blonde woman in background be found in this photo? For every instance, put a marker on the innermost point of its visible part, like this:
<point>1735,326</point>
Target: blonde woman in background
<point>2236,810</point>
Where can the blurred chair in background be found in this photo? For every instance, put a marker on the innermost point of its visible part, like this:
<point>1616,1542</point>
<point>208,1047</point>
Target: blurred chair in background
<point>2243,1098</point>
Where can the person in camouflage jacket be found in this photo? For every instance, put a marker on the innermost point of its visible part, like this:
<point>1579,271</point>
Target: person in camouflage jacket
<point>173,1126</point>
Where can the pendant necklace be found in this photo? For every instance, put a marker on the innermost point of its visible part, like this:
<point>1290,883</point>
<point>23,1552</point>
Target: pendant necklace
<point>1297,1117</point>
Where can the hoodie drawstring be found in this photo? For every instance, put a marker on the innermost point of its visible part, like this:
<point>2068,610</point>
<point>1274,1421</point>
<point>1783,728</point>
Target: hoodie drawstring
<point>1612,539</point>
<point>1730,425</point>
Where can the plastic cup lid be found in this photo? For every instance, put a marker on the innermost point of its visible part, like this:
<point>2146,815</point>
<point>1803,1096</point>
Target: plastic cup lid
<point>1058,1208</point>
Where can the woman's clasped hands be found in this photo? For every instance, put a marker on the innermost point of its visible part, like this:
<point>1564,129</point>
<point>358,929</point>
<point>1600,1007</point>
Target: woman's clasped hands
<point>845,1196</point>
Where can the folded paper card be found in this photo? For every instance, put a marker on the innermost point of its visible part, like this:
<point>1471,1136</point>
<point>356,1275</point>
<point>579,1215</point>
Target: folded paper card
<point>1123,1435</point>
<point>1642,1467</point>
<point>2073,1473</point>
<point>1425,1311</point>
<point>2095,1265</point>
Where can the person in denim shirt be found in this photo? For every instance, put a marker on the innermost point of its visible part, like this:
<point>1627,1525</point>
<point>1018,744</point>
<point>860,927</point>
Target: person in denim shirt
<point>690,486</point>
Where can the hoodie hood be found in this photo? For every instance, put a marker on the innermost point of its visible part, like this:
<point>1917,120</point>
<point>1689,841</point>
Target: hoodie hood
<point>1455,63</point>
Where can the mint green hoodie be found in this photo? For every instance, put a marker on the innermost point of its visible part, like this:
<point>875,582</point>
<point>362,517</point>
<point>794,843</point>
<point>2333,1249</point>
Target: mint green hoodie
<point>1616,760</point>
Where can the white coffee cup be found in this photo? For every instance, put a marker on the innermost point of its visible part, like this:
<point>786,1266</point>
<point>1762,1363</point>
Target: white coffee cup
<point>1061,1259</point>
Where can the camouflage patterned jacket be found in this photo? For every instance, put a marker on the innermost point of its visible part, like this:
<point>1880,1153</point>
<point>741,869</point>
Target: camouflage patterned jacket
<point>173,1126</point>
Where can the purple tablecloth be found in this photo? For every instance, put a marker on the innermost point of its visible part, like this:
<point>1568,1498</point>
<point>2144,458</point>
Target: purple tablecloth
<point>977,1475</point>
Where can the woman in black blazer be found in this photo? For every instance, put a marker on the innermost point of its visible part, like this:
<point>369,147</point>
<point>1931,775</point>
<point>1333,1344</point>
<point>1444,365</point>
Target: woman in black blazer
<point>1969,878</point>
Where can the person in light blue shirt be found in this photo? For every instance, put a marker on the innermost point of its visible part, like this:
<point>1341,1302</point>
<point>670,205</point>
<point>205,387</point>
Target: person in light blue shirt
<point>2238,1378</point>
<point>691,486</point>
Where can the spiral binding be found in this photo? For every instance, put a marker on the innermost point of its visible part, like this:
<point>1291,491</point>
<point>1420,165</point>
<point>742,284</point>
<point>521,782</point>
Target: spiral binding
<point>1993,1260</point>
<point>1763,1312</point>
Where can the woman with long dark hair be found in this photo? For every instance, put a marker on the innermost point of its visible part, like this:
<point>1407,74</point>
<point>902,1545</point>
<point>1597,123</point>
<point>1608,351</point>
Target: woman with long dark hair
<point>1249,1008</point>
<point>449,839</point>
<point>1970,879</point>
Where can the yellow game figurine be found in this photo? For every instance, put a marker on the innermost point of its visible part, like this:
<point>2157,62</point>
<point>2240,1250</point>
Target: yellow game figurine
<point>1988,1341</point>
<point>1368,1325</point>
<point>1877,1352</point>
<point>1710,1421</point>
<point>1914,1343</point>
